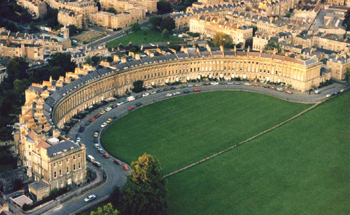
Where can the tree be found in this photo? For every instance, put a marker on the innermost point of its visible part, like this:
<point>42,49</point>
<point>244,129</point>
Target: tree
<point>105,210</point>
<point>16,69</point>
<point>62,60</point>
<point>156,21</point>
<point>222,39</point>
<point>167,23</point>
<point>52,23</point>
<point>144,191</point>
<point>73,30</point>
<point>138,86</point>
<point>164,7</point>
<point>165,33</point>
<point>112,10</point>
<point>20,86</point>
<point>135,27</point>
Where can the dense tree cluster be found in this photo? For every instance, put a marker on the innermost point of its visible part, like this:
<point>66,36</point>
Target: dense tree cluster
<point>145,192</point>
<point>222,39</point>
<point>164,7</point>
<point>159,23</point>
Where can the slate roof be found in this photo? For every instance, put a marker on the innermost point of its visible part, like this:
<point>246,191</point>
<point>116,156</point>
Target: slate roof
<point>60,147</point>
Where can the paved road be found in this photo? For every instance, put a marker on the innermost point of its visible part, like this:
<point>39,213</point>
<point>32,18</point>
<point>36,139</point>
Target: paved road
<point>116,175</point>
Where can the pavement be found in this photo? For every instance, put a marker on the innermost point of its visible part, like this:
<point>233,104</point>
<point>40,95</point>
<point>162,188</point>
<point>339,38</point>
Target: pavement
<point>116,176</point>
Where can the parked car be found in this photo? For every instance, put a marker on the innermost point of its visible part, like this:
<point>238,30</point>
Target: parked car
<point>105,155</point>
<point>288,92</point>
<point>108,109</point>
<point>172,88</point>
<point>214,83</point>
<point>280,89</point>
<point>97,146</point>
<point>114,106</point>
<point>159,91</point>
<point>92,119</point>
<point>186,91</point>
<point>229,83</point>
<point>247,84</point>
<point>95,140</point>
<point>145,94</point>
<point>102,112</point>
<point>81,129</point>
<point>90,198</point>
<point>328,95</point>
<point>138,104</point>
<point>206,83</point>
<point>87,123</point>
<point>272,87</point>
<point>97,115</point>
<point>125,167</point>
<point>103,125</point>
<point>255,84</point>
<point>96,134</point>
<point>97,164</point>
<point>176,93</point>
<point>121,103</point>
<point>109,120</point>
<point>131,108</point>
<point>101,151</point>
<point>130,98</point>
<point>169,94</point>
<point>117,162</point>
<point>196,90</point>
<point>153,92</point>
<point>166,89</point>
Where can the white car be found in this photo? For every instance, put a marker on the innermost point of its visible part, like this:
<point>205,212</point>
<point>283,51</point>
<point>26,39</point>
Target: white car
<point>97,146</point>
<point>103,124</point>
<point>328,95</point>
<point>108,109</point>
<point>145,94</point>
<point>169,94</point>
<point>214,83</point>
<point>229,83</point>
<point>153,92</point>
<point>247,84</point>
<point>121,103</point>
<point>90,198</point>
<point>176,93</point>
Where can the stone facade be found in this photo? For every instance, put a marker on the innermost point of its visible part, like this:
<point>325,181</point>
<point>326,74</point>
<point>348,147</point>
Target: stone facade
<point>120,20</point>
<point>150,6</point>
<point>34,6</point>
<point>69,17</point>
<point>209,26</point>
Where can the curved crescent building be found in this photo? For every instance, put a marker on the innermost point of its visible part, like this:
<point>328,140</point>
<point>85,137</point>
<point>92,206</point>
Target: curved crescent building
<point>56,161</point>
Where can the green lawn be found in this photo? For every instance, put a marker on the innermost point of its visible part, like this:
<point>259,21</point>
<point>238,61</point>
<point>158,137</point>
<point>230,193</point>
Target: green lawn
<point>138,38</point>
<point>302,167</point>
<point>182,130</point>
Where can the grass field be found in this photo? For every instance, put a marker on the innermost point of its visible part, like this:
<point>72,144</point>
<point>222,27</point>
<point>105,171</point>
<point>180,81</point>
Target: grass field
<point>182,130</point>
<point>302,167</point>
<point>139,38</point>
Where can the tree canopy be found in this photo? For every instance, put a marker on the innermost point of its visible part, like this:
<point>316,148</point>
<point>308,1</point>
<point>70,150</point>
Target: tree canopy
<point>167,23</point>
<point>138,86</point>
<point>105,210</point>
<point>145,192</point>
<point>135,27</point>
<point>164,7</point>
<point>16,69</point>
<point>222,39</point>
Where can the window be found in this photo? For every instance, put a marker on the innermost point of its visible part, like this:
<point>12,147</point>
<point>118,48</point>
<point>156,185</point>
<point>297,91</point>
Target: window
<point>67,169</point>
<point>74,167</point>
<point>74,157</point>
<point>54,164</point>
<point>54,174</point>
<point>60,172</point>
<point>79,166</point>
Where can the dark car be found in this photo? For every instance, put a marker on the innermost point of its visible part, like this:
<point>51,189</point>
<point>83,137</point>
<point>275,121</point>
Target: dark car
<point>173,88</point>
<point>81,129</point>
<point>114,106</point>
<point>87,123</point>
<point>159,91</point>
<point>138,104</point>
<point>186,91</point>
<point>138,96</point>
<point>95,140</point>
<point>166,89</point>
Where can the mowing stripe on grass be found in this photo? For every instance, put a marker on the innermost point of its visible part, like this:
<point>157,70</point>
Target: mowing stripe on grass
<point>243,142</point>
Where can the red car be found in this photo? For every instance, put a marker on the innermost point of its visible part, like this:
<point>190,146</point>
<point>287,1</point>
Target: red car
<point>105,155</point>
<point>92,119</point>
<point>97,115</point>
<point>125,167</point>
<point>117,162</point>
<point>131,108</point>
<point>196,90</point>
